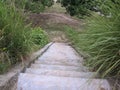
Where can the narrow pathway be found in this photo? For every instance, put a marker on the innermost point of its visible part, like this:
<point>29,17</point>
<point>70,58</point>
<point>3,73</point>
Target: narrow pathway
<point>60,68</point>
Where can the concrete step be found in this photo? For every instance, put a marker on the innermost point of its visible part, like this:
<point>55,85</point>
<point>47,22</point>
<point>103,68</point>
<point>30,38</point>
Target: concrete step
<point>41,82</point>
<point>59,67</point>
<point>61,73</point>
<point>61,53</point>
<point>60,62</point>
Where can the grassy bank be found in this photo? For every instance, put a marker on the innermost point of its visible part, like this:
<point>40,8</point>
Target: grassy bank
<point>100,42</point>
<point>16,38</point>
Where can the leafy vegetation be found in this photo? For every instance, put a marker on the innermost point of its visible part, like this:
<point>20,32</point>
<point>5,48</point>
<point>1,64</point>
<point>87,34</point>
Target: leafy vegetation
<point>37,6</point>
<point>84,7</point>
<point>16,38</point>
<point>39,37</point>
<point>101,41</point>
<point>34,6</point>
<point>79,7</point>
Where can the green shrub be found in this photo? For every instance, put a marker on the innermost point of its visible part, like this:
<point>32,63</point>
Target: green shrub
<point>16,38</point>
<point>14,35</point>
<point>103,37</point>
<point>79,7</point>
<point>39,38</point>
<point>101,41</point>
<point>35,7</point>
<point>47,3</point>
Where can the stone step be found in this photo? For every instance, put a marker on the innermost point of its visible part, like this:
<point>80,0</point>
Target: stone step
<point>61,73</point>
<point>41,82</point>
<point>60,62</point>
<point>61,53</point>
<point>59,67</point>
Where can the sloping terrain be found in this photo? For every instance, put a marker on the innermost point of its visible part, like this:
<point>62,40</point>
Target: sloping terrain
<point>53,24</point>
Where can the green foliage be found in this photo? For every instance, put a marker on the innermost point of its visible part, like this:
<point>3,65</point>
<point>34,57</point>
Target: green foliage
<point>84,7</point>
<point>34,6</point>
<point>101,40</point>
<point>78,7</point>
<point>14,35</point>
<point>3,67</point>
<point>74,35</point>
<point>37,6</point>
<point>39,37</point>
<point>47,2</point>
<point>16,38</point>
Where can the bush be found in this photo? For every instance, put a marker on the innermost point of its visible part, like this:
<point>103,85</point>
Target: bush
<point>16,38</point>
<point>37,6</point>
<point>12,27</point>
<point>39,38</point>
<point>47,3</point>
<point>101,41</point>
<point>79,7</point>
<point>34,6</point>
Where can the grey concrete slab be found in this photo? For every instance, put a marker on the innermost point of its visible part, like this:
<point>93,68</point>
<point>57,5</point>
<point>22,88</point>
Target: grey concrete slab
<point>61,73</point>
<point>39,82</point>
<point>61,52</point>
<point>60,62</point>
<point>59,67</point>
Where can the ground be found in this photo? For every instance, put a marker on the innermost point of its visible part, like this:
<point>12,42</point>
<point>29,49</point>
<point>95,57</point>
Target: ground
<point>53,21</point>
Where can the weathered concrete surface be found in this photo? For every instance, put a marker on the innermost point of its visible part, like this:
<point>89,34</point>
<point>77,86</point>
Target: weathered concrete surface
<point>60,62</point>
<point>62,53</point>
<point>9,79</point>
<point>61,73</point>
<point>39,82</point>
<point>60,68</point>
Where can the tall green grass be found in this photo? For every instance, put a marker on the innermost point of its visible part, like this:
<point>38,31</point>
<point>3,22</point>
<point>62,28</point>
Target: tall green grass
<point>16,38</point>
<point>101,42</point>
<point>39,37</point>
<point>14,35</point>
<point>34,6</point>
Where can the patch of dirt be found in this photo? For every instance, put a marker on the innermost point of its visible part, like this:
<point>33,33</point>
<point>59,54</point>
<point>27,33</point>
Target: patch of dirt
<point>53,24</point>
<point>46,19</point>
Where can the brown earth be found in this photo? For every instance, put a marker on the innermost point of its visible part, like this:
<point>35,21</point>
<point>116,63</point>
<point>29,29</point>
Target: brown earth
<point>44,19</point>
<point>53,24</point>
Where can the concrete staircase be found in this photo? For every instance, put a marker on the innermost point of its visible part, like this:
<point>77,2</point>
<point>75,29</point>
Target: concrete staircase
<point>60,68</point>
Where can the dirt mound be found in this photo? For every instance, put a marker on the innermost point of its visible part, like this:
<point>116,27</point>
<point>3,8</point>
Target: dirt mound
<point>45,19</point>
<point>53,24</point>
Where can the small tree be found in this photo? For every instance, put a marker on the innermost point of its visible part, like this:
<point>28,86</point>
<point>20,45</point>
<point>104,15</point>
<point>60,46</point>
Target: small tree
<point>79,7</point>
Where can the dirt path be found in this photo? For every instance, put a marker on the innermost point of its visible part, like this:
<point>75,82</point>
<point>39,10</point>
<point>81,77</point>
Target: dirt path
<point>44,19</point>
<point>53,21</point>
<point>53,24</point>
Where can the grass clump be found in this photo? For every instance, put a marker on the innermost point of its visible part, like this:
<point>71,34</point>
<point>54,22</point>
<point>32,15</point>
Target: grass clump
<point>34,6</point>
<point>101,41</point>
<point>39,37</point>
<point>14,35</point>
<point>16,38</point>
<point>37,6</point>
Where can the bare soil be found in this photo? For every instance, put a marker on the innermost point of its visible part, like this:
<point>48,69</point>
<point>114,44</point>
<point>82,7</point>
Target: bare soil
<point>53,24</point>
<point>44,19</point>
